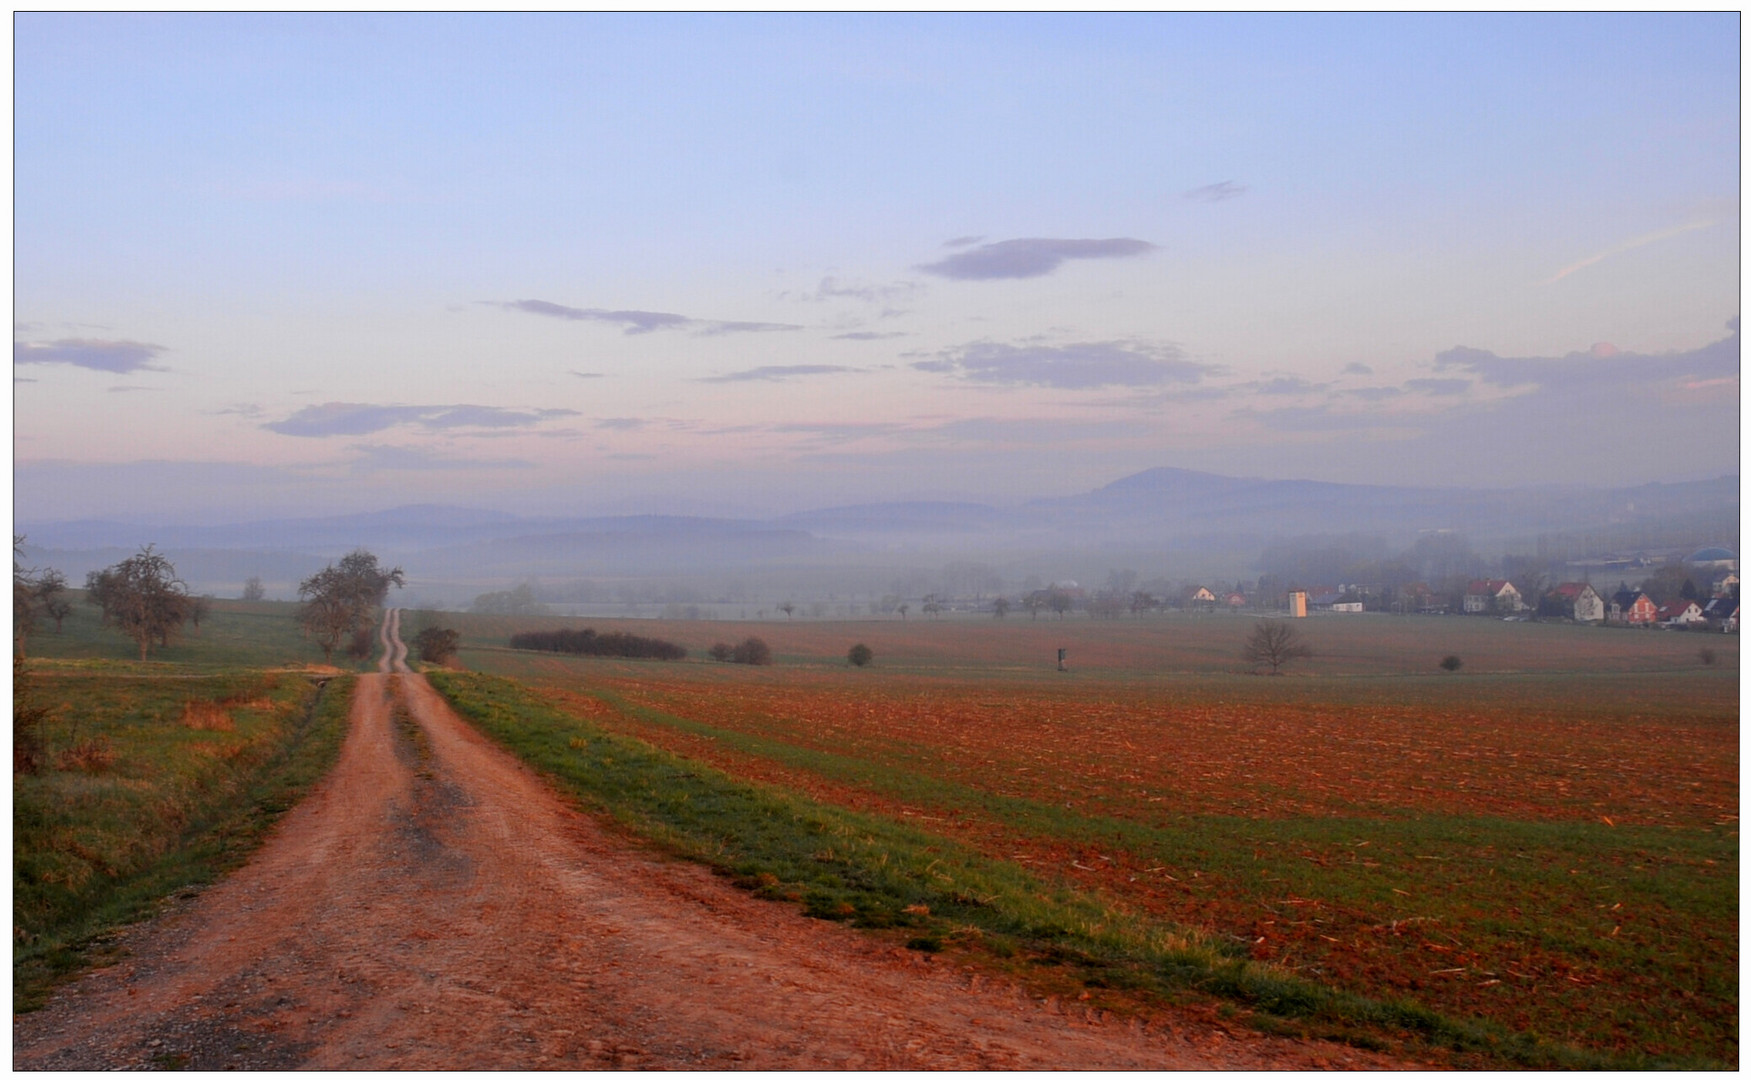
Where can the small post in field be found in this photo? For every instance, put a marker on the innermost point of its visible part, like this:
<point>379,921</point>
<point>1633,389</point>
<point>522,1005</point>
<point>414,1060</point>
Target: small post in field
<point>1061,653</point>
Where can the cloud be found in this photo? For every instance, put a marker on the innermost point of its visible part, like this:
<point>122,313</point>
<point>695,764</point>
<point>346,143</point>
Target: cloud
<point>870,335</point>
<point>1286,384</point>
<point>136,389</point>
<point>1439,387</point>
<point>1030,258</point>
<point>1219,192</point>
<point>850,431</point>
<point>341,418</point>
<point>1619,371</point>
<point>1376,393</point>
<point>1357,368</point>
<point>640,322</point>
<point>1324,418</point>
<point>962,241</point>
<point>1627,245</point>
<point>589,375</point>
<point>621,423</point>
<point>117,357</point>
<point>378,458</point>
<point>776,373</point>
<point>1082,366</point>
<point>832,288</point>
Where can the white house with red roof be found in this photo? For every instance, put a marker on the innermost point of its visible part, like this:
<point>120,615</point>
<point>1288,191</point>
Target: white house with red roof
<point>1579,600</point>
<point>1492,595</point>
<point>1679,613</point>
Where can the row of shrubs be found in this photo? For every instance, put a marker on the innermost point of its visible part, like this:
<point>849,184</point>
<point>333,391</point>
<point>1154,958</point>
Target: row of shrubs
<point>587,642</point>
<point>752,650</point>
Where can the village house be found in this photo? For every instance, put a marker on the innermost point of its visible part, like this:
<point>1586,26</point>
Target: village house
<point>1576,600</point>
<point>1631,607</point>
<point>1201,599</point>
<point>1679,613</point>
<point>1492,595</point>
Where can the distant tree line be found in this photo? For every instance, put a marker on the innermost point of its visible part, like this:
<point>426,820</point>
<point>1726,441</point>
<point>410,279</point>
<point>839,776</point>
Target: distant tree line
<point>587,642</point>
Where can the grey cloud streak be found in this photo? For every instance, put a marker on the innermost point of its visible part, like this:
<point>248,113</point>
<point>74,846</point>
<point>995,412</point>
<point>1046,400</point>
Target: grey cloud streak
<point>777,372</point>
<point>1081,366</point>
<point>640,322</point>
<point>1219,192</point>
<point>1028,258</point>
<point>1717,359</point>
<point>377,458</point>
<point>116,357</point>
<point>343,418</point>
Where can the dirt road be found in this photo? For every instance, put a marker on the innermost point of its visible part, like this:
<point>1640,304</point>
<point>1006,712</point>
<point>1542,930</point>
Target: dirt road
<point>433,905</point>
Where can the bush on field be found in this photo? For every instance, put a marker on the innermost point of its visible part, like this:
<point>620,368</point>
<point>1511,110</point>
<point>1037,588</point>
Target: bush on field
<point>89,755</point>
<point>751,651</point>
<point>587,642</point>
<point>437,644</point>
<point>860,655</point>
<point>1451,663</point>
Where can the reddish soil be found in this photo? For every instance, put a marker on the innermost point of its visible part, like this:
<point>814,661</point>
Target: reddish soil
<point>434,905</point>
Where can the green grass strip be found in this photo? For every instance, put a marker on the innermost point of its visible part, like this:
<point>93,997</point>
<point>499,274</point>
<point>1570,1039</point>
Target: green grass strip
<point>869,870</point>
<point>220,835</point>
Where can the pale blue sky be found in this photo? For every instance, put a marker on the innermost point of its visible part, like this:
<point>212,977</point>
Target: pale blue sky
<point>585,263</point>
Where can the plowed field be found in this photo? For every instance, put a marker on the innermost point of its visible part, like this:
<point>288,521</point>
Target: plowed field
<point>1550,843</point>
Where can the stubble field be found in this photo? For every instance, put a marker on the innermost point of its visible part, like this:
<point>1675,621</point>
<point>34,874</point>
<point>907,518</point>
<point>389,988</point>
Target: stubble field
<point>1547,838</point>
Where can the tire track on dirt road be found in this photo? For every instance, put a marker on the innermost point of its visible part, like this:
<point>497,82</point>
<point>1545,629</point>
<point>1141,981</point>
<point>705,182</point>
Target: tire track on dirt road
<point>434,905</point>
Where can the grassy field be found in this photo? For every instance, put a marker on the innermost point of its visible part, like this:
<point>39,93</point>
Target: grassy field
<point>1546,840</point>
<point>236,635</point>
<point>151,784</point>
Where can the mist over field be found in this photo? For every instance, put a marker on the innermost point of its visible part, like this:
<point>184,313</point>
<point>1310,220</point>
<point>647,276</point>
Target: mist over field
<point>1163,529</point>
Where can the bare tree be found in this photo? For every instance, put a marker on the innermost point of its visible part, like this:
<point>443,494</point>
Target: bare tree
<point>51,596</point>
<point>142,597</point>
<point>340,600</point>
<point>253,590</point>
<point>199,607</point>
<point>1060,600</point>
<point>1000,607</point>
<point>788,608</point>
<point>1273,643</point>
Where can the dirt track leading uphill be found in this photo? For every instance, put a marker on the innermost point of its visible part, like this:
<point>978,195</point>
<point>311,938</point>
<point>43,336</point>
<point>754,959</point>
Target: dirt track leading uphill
<point>434,905</point>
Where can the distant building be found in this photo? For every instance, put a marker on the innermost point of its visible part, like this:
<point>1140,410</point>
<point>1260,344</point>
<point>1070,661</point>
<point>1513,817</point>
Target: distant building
<point>1297,604</point>
<point>1679,613</point>
<point>1631,607</point>
<point>1492,595</point>
<point>1576,600</point>
<point>1714,558</point>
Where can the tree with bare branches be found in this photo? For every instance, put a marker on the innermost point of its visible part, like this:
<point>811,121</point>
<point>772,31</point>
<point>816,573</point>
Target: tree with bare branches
<point>142,597</point>
<point>341,600</point>
<point>1274,643</point>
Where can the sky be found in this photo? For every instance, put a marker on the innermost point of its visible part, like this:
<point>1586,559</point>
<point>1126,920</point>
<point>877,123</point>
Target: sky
<point>297,265</point>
